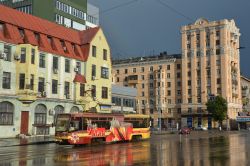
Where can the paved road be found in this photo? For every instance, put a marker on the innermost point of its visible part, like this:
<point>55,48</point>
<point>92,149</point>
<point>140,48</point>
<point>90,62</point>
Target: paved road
<point>199,148</point>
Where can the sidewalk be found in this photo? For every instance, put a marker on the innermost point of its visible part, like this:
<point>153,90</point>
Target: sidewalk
<point>28,140</point>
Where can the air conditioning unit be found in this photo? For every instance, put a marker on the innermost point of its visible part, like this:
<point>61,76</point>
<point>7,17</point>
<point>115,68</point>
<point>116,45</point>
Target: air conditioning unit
<point>67,96</point>
<point>43,94</point>
<point>93,77</point>
<point>55,71</point>
<point>3,56</point>
<point>17,57</point>
<point>76,69</point>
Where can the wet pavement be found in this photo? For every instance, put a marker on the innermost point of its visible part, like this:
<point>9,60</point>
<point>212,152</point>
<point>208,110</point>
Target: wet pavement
<point>196,149</point>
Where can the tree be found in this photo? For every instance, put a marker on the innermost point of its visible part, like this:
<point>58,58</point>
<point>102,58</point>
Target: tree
<point>218,108</point>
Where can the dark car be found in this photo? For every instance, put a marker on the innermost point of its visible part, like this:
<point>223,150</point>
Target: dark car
<point>185,130</point>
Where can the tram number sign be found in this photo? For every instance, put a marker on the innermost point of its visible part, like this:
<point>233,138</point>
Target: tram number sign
<point>98,132</point>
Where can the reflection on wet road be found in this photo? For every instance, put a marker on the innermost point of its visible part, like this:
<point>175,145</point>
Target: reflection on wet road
<point>227,149</point>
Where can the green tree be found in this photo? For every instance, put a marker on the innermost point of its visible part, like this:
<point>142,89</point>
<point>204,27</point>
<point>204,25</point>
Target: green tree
<point>218,108</point>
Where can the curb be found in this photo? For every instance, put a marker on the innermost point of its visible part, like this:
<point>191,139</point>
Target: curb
<point>31,143</point>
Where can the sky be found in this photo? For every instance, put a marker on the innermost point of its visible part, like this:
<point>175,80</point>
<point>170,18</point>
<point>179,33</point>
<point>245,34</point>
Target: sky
<point>147,27</point>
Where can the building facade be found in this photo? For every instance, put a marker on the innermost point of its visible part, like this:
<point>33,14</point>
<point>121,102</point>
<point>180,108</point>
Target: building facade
<point>123,99</point>
<point>156,83</point>
<point>245,90</point>
<point>181,86</point>
<point>46,69</point>
<point>69,13</point>
<point>210,67</point>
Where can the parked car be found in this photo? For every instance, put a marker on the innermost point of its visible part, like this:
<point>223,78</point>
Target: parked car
<point>185,130</point>
<point>201,128</point>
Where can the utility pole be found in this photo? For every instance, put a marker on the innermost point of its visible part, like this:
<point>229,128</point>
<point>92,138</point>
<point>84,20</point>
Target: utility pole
<point>159,102</point>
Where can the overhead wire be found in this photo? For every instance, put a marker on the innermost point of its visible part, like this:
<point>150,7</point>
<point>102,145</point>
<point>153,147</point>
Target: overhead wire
<point>174,10</point>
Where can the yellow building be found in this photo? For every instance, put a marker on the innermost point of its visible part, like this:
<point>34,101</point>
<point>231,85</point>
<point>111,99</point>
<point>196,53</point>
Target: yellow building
<point>46,69</point>
<point>210,67</point>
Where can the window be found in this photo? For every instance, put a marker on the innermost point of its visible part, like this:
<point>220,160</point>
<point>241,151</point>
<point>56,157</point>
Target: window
<point>66,88</point>
<point>178,101</point>
<point>178,92</point>
<point>189,110</point>
<point>104,92</point>
<point>142,77</point>
<point>198,53</point>
<point>6,80</point>
<point>94,51</point>
<point>151,85</point>
<point>188,54</point>
<point>67,65</point>
<point>6,113</point>
<point>178,75</point>
<point>104,72</point>
<point>21,32</point>
<point>7,51</point>
<point>23,55</point>
<point>151,68</point>
<point>33,52</point>
<point>54,86</point>
<point>151,77</point>
<point>93,72</point>
<point>217,42</point>
<point>55,62</point>
<point>189,65</point>
<point>40,114</point>
<point>37,36</point>
<point>189,74</point>
<point>142,86</point>
<point>21,81</point>
<point>105,54</point>
<point>207,52</point>
<point>42,60</point>
<point>218,33</point>
<point>1,27</point>
<point>168,67</point>
<point>116,101</point>
<point>50,40</point>
<point>169,84</point>
<point>142,94</point>
<point>218,81</point>
<point>217,51</point>
<point>168,75</point>
<point>189,92</point>
<point>63,46</point>
<point>32,82</point>
<point>142,69</point>
<point>178,66</point>
<point>189,100</point>
<point>41,84</point>
<point>179,110</point>
<point>134,70</point>
<point>125,71</point>
<point>169,92</point>
<point>179,83</point>
<point>93,91</point>
<point>82,89</point>
<point>218,62</point>
<point>78,66</point>
<point>117,79</point>
<point>169,101</point>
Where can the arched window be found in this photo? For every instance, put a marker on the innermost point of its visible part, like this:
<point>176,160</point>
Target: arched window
<point>40,114</point>
<point>6,113</point>
<point>58,110</point>
<point>74,110</point>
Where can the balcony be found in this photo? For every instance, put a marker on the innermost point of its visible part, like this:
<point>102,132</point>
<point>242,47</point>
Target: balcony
<point>133,79</point>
